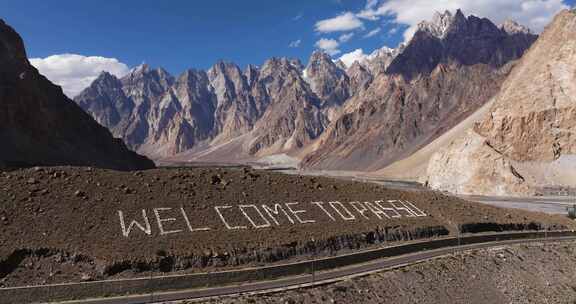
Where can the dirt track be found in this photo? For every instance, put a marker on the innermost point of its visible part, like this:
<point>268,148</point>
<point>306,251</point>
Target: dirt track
<point>63,224</point>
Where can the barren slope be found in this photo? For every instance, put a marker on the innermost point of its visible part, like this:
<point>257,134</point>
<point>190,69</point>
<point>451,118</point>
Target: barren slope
<point>58,224</point>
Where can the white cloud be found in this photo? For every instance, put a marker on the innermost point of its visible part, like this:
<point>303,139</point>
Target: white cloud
<point>393,30</point>
<point>345,37</point>
<point>297,17</point>
<point>330,46</point>
<point>535,14</point>
<point>373,32</point>
<point>370,4</point>
<point>295,43</point>
<point>76,72</point>
<point>350,58</point>
<point>342,23</point>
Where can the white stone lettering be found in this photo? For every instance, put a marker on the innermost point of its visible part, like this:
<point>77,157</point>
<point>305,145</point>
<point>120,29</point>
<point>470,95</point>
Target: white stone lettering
<point>243,207</point>
<point>262,216</point>
<point>395,213</point>
<point>321,206</point>
<point>217,208</point>
<point>350,216</point>
<point>376,210</point>
<point>360,208</point>
<point>126,232</point>
<point>414,209</point>
<point>296,212</point>
<point>403,207</point>
<point>160,221</point>
<point>276,211</point>
<point>188,224</point>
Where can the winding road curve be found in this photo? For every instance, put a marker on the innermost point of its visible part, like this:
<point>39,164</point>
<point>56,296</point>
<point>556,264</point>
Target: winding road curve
<point>319,278</point>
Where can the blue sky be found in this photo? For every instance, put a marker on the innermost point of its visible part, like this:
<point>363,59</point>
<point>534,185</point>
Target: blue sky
<point>179,34</point>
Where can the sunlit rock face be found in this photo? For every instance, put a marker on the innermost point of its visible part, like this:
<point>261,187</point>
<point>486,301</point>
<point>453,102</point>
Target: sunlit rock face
<point>531,128</point>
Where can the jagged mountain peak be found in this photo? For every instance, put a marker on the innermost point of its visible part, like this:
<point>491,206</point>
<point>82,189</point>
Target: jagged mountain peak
<point>442,23</point>
<point>357,67</point>
<point>328,81</point>
<point>104,82</point>
<point>340,64</point>
<point>456,39</point>
<point>251,68</point>
<point>11,44</point>
<point>321,62</point>
<point>383,51</point>
<point>140,69</point>
<point>105,77</point>
<point>224,67</point>
<point>281,63</point>
<point>145,71</point>
<point>190,75</point>
<point>319,55</point>
<point>162,73</point>
<point>251,73</point>
<point>223,72</point>
<point>512,27</point>
<point>295,62</point>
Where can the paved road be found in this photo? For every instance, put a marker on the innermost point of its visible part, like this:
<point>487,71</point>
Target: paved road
<point>306,280</point>
<point>550,205</point>
<point>546,204</point>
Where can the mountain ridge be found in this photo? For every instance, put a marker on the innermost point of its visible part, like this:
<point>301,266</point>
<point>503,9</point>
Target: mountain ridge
<point>285,108</point>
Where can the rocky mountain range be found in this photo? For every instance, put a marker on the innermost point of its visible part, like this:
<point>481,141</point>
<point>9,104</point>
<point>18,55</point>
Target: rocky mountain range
<point>324,115</point>
<point>39,125</point>
<point>451,67</point>
<point>527,140</point>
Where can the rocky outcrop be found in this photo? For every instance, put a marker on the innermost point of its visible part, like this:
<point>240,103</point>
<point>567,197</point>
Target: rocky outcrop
<point>380,59</point>
<point>113,108</point>
<point>144,87</point>
<point>328,81</point>
<point>360,78</point>
<point>530,128</point>
<point>294,117</point>
<point>450,68</point>
<point>457,170</point>
<point>39,125</point>
<point>236,110</point>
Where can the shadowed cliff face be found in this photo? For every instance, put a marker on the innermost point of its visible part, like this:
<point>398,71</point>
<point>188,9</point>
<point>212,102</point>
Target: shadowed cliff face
<point>463,40</point>
<point>527,141</point>
<point>39,125</point>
